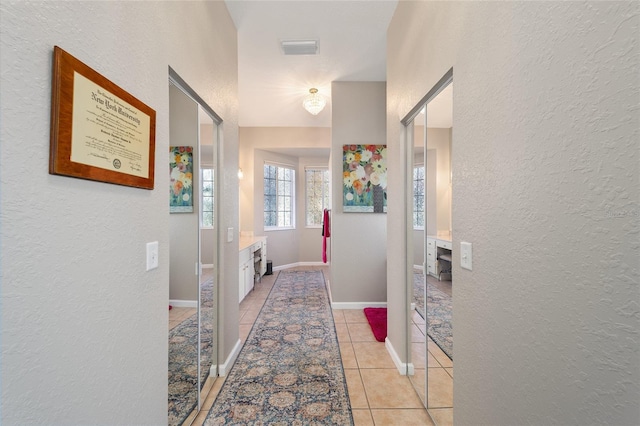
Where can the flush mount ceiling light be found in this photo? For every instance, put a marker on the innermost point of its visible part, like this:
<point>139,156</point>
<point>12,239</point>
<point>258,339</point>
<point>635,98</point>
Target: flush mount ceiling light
<point>314,102</point>
<point>299,47</point>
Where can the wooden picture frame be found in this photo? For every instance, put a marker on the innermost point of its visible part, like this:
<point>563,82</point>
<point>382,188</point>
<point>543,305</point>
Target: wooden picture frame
<point>98,131</point>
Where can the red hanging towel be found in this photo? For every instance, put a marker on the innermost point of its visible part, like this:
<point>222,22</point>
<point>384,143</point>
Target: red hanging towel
<point>326,233</point>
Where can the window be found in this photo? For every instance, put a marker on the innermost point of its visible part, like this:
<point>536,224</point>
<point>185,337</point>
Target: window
<point>207,197</point>
<point>279,190</point>
<point>317,194</point>
<point>418,197</point>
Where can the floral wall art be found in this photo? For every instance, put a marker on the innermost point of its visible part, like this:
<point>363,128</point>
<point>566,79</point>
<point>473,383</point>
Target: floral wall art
<point>364,177</point>
<point>181,182</point>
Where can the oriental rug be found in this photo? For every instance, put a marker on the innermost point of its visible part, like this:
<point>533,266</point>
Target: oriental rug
<point>183,357</point>
<point>289,371</point>
<point>183,370</point>
<point>439,308</point>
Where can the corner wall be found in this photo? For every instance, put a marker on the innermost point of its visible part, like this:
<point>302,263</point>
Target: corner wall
<point>358,240</point>
<point>546,186</point>
<point>84,327</point>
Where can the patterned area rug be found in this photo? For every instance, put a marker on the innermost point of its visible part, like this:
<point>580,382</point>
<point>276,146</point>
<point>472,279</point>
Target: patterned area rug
<point>440,312</point>
<point>289,371</point>
<point>183,358</point>
<point>183,370</point>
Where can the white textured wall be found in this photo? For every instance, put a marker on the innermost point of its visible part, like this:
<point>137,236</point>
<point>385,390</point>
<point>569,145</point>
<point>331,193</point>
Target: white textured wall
<point>546,187</point>
<point>84,327</point>
<point>358,240</point>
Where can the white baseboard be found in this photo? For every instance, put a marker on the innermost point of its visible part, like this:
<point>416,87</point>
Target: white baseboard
<point>357,305</point>
<point>404,368</point>
<point>184,303</point>
<point>293,265</point>
<point>418,268</point>
<point>207,266</point>
<point>223,369</point>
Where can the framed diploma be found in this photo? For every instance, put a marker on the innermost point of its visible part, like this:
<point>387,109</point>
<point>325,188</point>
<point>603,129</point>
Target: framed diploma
<point>98,131</point>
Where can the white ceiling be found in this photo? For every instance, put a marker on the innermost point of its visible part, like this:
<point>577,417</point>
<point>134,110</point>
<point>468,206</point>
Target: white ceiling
<point>352,47</point>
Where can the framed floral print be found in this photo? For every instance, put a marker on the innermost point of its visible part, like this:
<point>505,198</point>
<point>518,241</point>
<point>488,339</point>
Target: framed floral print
<point>364,178</point>
<point>181,179</point>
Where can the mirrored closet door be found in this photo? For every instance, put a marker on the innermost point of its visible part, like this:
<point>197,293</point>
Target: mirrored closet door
<point>429,249</point>
<point>208,252</point>
<point>193,290</point>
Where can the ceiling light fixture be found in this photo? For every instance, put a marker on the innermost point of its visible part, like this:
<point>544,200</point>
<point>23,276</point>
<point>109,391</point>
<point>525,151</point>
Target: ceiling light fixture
<point>314,102</point>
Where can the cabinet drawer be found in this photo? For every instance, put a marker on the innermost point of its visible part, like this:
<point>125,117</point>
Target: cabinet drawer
<point>431,242</point>
<point>446,244</point>
<point>245,256</point>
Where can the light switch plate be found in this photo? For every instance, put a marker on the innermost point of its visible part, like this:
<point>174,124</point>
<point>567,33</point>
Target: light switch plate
<point>466,258</point>
<point>152,255</point>
<point>229,235</point>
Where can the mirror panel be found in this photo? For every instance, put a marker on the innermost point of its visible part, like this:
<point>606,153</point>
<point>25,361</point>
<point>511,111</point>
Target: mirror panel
<point>416,238</point>
<point>194,257</point>
<point>208,252</point>
<point>430,247</point>
<point>439,247</point>
<point>183,256</point>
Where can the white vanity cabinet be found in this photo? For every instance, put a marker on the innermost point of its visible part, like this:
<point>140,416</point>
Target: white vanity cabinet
<point>439,256</point>
<point>263,258</point>
<point>431,256</point>
<point>245,275</point>
<point>253,258</point>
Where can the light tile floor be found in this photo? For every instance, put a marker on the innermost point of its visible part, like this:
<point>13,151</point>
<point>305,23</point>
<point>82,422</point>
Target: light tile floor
<point>379,395</point>
<point>440,367</point>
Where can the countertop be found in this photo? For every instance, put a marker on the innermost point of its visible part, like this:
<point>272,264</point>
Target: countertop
<point>444,236</point>
<point>249,241</point>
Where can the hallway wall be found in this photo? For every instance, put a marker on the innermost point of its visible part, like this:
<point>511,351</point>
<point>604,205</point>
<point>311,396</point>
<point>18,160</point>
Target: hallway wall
<point>84,327</point>
<point>546,186</point>
<point>358,240</point>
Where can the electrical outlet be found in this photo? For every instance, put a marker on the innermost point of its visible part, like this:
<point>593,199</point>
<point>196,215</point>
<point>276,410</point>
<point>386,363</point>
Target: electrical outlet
<point>152,255</point>
<point>229,235</point>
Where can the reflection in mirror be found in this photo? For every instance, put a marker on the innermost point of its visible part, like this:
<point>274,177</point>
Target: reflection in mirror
<point>430,236</point>
<point>193,242</point>
<point>416,239</point>
<point>439,245</point>
<point>183,255</point>
<point>208,252</point>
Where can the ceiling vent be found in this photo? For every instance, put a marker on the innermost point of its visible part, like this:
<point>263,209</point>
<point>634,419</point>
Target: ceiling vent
<point>300,47</point>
